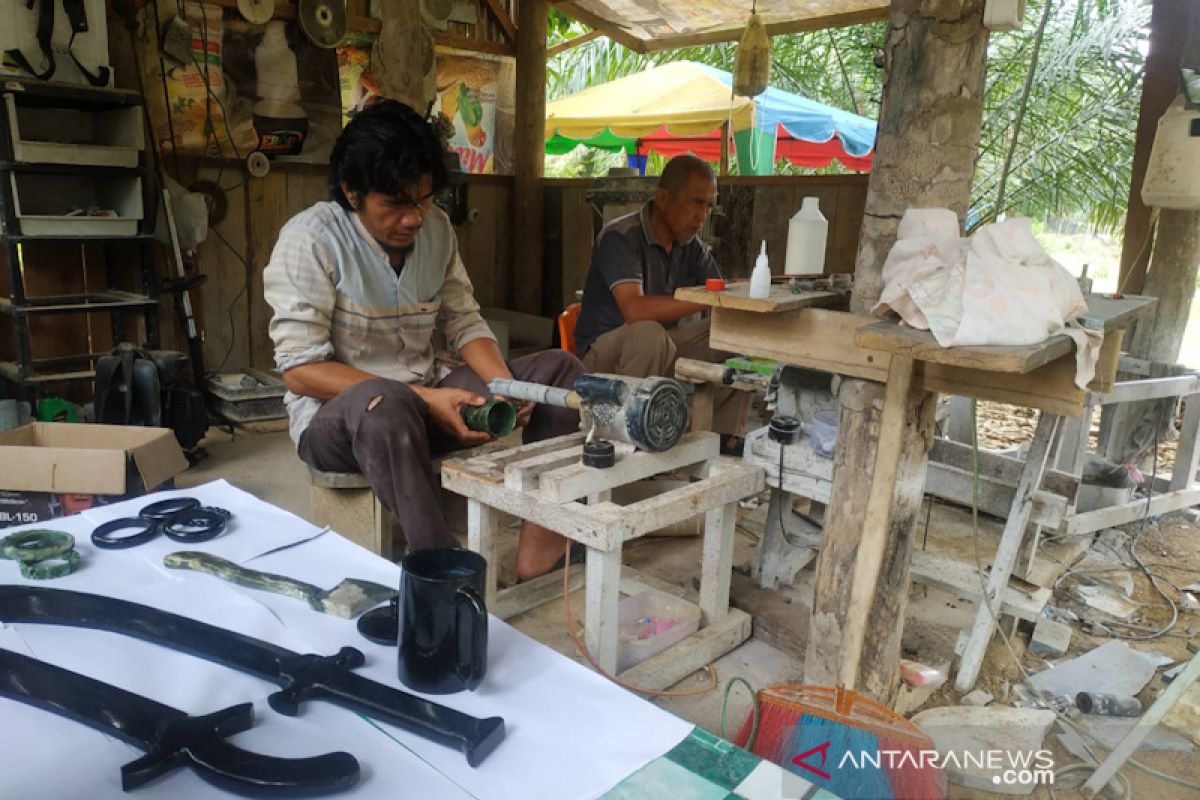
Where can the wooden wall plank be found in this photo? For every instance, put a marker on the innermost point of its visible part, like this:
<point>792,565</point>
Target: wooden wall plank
<point>266,212</point>
<point>225,298</point>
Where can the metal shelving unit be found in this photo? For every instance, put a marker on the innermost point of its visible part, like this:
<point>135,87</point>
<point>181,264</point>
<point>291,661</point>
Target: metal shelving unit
<point>77,134</point>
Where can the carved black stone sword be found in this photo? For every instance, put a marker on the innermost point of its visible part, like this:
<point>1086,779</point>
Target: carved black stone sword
<point>171,738</point>
<point>300,676</point>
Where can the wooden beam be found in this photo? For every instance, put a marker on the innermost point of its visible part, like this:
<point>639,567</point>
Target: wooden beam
<point>774,29</point>
<point>610,29</point>
<point>529,149</point>
<point>501,15</point>
<point>445,39</point>
<point>569,44</point>
<point>285,10</point>
<point>724,148</point>
<point>1169,29</point>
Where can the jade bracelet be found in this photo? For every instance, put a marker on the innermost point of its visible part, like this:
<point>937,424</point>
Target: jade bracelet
<point>53,567</point>
<point>37,544</point>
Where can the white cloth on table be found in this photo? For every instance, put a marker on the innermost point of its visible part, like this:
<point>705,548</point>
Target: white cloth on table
<point>999,287</point>
<point>571,734</point>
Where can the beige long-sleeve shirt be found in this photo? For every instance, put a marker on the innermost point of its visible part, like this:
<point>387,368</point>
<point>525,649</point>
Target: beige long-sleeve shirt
<point>336,297</point>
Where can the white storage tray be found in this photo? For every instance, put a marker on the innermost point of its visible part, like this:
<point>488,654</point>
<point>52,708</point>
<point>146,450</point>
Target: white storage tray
<point>41,203</point>
<point>109,138</point>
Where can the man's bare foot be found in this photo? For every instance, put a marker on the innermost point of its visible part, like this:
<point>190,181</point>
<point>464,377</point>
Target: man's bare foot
<point>538,550</point>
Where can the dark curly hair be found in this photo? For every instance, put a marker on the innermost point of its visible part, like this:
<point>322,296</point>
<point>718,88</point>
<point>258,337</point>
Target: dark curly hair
<point>386,148</point>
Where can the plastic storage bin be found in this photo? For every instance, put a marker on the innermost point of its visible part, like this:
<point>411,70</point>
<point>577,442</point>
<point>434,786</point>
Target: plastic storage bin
<point>108,137</point>
<point>43,204</point>
<point>633,647</point>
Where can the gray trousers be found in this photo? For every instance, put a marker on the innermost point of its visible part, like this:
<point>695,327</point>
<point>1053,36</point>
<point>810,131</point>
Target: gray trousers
<point>391,443</point>
<point>644,349</point>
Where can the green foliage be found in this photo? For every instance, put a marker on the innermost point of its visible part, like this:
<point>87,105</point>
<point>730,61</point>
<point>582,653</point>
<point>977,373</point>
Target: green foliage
<point>1076,144</point>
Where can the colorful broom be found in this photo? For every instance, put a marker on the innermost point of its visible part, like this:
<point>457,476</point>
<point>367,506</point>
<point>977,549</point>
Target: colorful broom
<point>844,743</point>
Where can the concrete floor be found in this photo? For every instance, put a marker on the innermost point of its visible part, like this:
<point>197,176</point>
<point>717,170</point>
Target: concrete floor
<point>266,465</point>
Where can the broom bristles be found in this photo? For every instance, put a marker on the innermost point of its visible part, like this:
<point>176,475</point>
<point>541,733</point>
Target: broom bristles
<point>838,724</point>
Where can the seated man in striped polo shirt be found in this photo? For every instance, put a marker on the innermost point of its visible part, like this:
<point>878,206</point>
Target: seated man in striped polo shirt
<point>630,323</point>
<point>359,285</point>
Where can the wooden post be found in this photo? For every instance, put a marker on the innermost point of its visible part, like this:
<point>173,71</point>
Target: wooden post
<point>1169,25</point>
<point>1174,259</point>
<point>925,155</point>
<point>529,147</point>
<point>725,148</point>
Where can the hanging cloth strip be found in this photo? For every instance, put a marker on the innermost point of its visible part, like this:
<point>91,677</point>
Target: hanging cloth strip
<point>77,17</point>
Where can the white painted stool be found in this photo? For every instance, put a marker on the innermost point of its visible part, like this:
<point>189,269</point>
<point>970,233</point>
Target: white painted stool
<point>545,482</point>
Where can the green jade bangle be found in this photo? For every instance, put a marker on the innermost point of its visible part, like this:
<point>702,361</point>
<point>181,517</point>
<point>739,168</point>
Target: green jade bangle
<point>54,567</point>
<point>37,544</point>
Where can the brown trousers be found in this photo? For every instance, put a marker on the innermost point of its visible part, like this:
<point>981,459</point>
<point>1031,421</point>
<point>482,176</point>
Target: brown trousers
<point>646,348</point>
<point>391,444</point>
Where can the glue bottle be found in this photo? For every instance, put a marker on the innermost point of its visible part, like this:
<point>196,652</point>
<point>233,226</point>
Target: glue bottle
<point>760,278</point>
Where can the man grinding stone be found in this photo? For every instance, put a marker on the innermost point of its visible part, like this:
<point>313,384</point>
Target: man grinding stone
<point>359,285</point>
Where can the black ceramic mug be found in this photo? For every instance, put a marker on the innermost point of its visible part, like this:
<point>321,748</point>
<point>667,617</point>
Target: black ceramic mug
<point>443,621</point>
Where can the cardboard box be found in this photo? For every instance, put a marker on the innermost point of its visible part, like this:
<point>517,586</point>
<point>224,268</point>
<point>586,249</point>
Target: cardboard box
<point>53,469</point>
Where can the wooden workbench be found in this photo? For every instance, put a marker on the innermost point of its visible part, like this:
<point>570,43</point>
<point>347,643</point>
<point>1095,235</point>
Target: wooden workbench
<point>796,330</point>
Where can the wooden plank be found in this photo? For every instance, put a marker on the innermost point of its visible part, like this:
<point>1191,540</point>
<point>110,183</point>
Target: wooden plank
<point>1149,389</point>
<point>610,29</point>
<point>703,404</point>
<point>691,654</point>
<point>737,296</point>
<point>877,518</point>
<point>1108,313</point>
<point>962,580</point>
<point>569,44</point>
<point>727,483</point>
<point>225,297</point>
<point>1134,510</point>
<point>502,17</point>
<point>998,468</point>
<point>957,486</point>
<point>459,42</point>
<point>824,340</point>
<point>920,345</point>
<point>483,528</point>
<point>716,566</point>
<point>814,23</point>
<point>1143,728</point>
<point>1006,554</point>
<point>844,227</point>
<point>529,150</point>
<point>525,476</point>
<point>1187,452</point>
<point>533,593</point>
<point>266,213</point>
<point>575,480</point>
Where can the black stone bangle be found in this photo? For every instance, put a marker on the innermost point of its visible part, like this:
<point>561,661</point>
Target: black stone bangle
<point>37,544</point>
<point>197,524</point>
<point>53,567</point>
<point>103,537</point>
<point>165,509</point>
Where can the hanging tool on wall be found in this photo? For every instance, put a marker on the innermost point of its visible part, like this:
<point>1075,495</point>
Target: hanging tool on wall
<point>169,737</point>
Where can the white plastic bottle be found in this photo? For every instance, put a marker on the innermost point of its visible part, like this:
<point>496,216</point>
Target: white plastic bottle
<point>760,278</point>
<point>807,233</point>
<point>278,76</point>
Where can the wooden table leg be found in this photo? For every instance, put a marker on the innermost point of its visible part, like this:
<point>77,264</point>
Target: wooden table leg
<point>717,565</point>
<point>1006,554</point>
<point>877,518</point>
<point>703,403</point>
<point>483,524</point>
<point>603,593</point>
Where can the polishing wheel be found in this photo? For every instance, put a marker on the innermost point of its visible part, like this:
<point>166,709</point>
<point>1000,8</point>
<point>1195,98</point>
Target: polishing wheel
<point>323,21</point>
